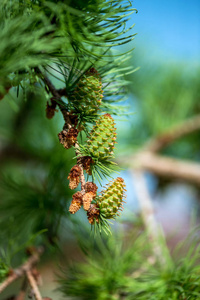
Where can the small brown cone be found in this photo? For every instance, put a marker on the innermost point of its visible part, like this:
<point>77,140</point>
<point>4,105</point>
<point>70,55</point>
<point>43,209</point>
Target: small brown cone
<point>76,202</point>
<point>93,213</point>
<point>74,177</point>
<point>86,162</point>
<point>91,187</point>
<point>87,199</point>
<point>68,138</point>
<point>51,109</point>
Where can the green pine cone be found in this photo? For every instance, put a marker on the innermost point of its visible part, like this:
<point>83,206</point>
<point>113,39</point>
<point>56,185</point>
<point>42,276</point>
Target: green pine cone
<point>111,199</point>
<point>101,141</point>
<point>87,95</point>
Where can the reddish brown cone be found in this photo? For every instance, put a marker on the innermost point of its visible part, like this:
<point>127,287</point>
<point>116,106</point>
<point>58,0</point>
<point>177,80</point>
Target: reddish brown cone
<point>51,109</point>
<point>74,177</point>
<point>91,187</point>
<point>87,199</point>
<point>76,202</point>
<point>68,138</point>
<point>91,191</point>
<point>86,162</point>
<point>93,213</point>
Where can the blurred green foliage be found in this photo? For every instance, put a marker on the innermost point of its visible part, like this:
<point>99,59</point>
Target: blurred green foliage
<point>123,267</point>
<point>33,179</point>
<point>164,96</point>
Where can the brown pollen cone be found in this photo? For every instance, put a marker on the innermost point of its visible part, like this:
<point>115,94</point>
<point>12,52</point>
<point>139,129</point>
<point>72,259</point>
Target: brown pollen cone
<point>87,199</point>
<point>91,191</point>
<point>93,213</point>
<point>74,177</point>
<point>76,202</point>
<point>73,119</point>
<point>86,162</point>
<point>51,109</point>
<point>68,138</point>
<point>91,187</point>
<point>92,71</point>
<point>70,117</point>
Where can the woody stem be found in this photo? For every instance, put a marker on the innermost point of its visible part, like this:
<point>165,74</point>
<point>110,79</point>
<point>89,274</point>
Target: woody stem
<point>57,94</point>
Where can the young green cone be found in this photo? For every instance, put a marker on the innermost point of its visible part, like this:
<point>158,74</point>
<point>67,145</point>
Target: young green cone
<point>87,95</point>
<point>111,199</point>
<point>102,139</point>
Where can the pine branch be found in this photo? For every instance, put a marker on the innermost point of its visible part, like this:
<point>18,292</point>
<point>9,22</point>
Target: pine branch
<point>19,272</point>
<point>33,285</point>
<point>58,95</point>
<point>22,293</point>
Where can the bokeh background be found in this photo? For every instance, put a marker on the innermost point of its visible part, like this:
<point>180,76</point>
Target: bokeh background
<point>165,92</point>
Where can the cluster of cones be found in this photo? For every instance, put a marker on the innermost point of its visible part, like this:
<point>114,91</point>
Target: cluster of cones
<point>98,149</point>
<point>84,197</point>
<point>107,205</point>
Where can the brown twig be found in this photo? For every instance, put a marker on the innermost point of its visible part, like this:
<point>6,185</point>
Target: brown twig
<point>146,159</point>
<point>19,272</point>
<point>147,210</point>
<point>58,94</point>
<point>185,128</point>
<point>168,167</point>
<point>33,285</point>
<point>22,293</point>
<point>82,177</point>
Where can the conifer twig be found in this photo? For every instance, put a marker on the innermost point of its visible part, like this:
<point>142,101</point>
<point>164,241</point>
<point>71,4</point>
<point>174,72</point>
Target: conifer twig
<point>33,285</point>
<point>19,272</point>
<point>58,94</point>
<point>22,293</point>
